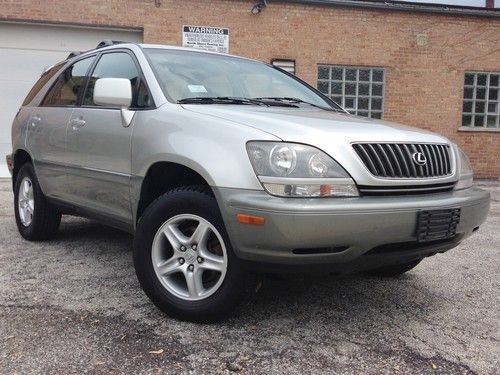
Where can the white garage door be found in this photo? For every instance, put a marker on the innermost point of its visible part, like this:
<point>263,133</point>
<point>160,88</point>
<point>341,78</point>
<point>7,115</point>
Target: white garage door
<point>25,50</point>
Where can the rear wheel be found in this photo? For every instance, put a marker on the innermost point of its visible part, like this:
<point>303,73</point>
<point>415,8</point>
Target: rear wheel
<point>184,260</point>
<point>36,218</point>
<point>394,270</point>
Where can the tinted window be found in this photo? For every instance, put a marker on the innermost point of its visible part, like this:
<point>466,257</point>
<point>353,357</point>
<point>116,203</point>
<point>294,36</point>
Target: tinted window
<point>118,65</point>
<point>46,76</point>
<point>66,88</point>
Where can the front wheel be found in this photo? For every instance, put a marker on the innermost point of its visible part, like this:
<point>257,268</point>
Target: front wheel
<point>183,258</point>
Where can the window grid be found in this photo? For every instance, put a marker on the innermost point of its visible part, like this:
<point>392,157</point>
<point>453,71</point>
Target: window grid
<point>357,88</point>
<point>481,108</point>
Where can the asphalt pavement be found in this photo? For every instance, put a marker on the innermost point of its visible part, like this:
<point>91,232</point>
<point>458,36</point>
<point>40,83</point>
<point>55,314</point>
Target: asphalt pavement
<point>73,305</point>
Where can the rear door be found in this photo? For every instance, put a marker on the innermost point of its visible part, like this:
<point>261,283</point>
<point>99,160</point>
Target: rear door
<point>46,129</point>
<point>98,142</point>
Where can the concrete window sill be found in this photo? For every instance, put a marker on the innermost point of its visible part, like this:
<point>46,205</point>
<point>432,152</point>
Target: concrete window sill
<point>487,130</point>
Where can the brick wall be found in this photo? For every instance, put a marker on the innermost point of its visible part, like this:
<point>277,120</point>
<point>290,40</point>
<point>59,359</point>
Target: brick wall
<point>424,80</point>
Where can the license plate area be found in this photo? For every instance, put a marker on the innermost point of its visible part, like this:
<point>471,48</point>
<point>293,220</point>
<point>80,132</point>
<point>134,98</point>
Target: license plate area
<point>437,224</point>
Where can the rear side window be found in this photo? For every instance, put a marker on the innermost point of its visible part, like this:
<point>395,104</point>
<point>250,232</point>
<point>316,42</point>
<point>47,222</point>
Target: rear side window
<point>65,90</point>
<point>118,65</point>
<point>46,76</point>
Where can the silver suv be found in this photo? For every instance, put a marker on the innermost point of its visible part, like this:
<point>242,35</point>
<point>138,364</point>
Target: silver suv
<point>223,166</point>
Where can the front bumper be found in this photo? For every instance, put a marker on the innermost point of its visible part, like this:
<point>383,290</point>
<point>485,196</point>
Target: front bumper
<point>341,234</point>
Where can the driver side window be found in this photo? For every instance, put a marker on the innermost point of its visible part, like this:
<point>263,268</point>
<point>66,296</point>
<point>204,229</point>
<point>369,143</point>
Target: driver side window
<point>118,65</point>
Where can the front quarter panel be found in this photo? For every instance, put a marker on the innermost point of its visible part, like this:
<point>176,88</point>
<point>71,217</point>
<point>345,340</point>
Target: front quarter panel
<point>213,147</point>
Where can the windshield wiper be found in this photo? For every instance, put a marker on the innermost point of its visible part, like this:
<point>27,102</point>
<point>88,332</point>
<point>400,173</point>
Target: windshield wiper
<point>297,100</point>
<point>220,100</point>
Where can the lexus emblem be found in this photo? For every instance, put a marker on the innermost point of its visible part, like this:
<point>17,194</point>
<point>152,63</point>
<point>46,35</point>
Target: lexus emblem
<point>419,158</point>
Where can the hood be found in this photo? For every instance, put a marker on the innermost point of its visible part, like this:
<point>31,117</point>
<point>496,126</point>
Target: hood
<point>310,125</point>
<point>332,132</point>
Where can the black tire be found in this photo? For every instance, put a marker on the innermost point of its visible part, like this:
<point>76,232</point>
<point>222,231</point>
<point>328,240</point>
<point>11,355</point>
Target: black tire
<point>394,270</point>
<point>46,219</point>
<point>236,283</point>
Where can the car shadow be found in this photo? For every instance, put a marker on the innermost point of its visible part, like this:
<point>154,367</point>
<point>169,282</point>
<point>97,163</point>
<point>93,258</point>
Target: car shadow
<point>351,296</point>
<point>76,228</point>
<point>301,298</point>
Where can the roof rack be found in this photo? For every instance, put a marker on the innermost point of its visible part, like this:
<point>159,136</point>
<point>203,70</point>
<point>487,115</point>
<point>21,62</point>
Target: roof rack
<point>104,43</point>
<point>73,54</point>
<point>107,43</point>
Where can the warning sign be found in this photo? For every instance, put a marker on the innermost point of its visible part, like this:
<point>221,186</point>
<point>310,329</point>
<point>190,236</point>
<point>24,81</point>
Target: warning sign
<point>214,39</point>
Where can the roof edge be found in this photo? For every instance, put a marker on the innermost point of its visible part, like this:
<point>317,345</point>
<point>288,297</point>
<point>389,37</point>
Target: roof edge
<point>402,7</point>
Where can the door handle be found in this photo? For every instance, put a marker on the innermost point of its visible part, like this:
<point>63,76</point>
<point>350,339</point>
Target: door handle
<point>35,120</point>
<point>77,123</point>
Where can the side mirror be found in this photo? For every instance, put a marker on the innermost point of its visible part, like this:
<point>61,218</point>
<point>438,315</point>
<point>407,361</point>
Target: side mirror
<point>115,92</point>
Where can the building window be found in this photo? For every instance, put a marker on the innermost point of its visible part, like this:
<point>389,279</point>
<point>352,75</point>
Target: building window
<point>287,65</point>
<point>481,98</point>
<point>360,90</point>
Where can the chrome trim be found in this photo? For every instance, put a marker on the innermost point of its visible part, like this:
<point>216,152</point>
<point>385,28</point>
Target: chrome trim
<point>306,181</point>
<point>399,162</point>
<point>364,189</point>
<point>100,170</point>
<point>80,167</point>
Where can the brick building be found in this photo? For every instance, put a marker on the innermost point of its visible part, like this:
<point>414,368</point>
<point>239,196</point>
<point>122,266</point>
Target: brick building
<point>430,66</point>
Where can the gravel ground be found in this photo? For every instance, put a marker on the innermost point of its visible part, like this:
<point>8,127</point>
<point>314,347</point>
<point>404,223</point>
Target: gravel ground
<point>73,305</point>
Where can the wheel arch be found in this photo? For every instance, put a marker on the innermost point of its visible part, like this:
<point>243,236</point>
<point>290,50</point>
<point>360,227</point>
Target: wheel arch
<point>21,157</point>
<point>161,177</point>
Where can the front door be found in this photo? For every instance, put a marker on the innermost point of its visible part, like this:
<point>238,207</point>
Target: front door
<point>98,145</point>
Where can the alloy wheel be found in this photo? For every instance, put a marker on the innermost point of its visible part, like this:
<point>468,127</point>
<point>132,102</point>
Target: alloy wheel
<point>26,202</point>
<point>189,257</point>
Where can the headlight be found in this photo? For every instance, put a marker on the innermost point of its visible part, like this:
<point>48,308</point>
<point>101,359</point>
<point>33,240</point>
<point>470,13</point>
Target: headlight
<point>283,160</point>
<point>465,176</point>
<point>295,170</point>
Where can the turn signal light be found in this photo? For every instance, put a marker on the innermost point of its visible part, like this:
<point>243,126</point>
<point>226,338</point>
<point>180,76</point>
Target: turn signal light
<point>249,219</point>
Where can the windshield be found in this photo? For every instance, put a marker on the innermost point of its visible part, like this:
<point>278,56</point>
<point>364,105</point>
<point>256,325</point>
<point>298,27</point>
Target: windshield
<point>185,75</point>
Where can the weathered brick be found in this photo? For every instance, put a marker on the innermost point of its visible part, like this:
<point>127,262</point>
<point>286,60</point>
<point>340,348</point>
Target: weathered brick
<point>425,55</point>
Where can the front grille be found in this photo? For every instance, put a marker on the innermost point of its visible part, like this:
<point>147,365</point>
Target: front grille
<point>396,160</point>
<point>405,190</point>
